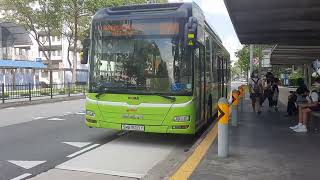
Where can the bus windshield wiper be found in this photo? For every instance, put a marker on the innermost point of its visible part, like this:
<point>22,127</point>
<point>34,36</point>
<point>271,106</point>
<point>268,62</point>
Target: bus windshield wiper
<point>100,93</point>
<point>173,99</point>
<point>114,90</point>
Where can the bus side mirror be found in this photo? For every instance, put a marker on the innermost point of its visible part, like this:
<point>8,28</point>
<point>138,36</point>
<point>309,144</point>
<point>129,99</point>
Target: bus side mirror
<point>190,33</point>
<point>84,55</point>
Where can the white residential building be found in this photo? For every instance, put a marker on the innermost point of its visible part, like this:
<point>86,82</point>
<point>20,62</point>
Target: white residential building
<point>59,51</point>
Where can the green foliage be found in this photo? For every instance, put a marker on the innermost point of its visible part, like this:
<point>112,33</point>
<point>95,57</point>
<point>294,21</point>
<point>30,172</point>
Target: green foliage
<point>44,93</point>
<point>236,70</point>
<point>25,94</point>
<point>243,56</point>
<point>296,74</point>
<point>5,96</point>
<point>94,5</point>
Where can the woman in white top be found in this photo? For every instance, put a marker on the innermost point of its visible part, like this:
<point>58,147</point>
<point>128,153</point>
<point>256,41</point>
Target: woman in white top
<point>312,105</point>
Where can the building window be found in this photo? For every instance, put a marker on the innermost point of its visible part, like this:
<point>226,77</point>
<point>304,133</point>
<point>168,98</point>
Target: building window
<point>44,74</point>
<point>58,38</point>
<point>59,52</point>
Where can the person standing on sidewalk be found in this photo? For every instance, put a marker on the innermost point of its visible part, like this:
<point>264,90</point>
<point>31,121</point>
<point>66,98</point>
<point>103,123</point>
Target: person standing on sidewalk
<point>256,90</point>
<point>267,91</point>
<point>275,93</point>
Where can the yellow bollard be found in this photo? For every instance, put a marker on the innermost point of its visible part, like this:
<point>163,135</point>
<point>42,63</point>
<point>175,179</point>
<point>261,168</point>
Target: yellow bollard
<point>234,112</point>
<point>241,97</point>
<point>223,120</point>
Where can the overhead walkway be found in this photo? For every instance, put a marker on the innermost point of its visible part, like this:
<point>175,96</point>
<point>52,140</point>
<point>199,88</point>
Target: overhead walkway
<point>263,147</point>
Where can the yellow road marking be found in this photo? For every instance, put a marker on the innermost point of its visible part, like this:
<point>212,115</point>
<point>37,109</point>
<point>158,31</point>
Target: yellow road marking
<point>187,168</point>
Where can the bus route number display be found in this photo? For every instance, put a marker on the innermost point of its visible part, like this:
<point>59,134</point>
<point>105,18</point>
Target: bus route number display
<point>140,28</point>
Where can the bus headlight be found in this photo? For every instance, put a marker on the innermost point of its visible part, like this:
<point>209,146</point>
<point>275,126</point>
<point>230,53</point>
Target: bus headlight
<point>90,113</point>
<point>181,118</point>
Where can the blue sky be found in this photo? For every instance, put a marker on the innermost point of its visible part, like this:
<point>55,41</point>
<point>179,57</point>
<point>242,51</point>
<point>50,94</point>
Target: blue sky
<point>218,17</point>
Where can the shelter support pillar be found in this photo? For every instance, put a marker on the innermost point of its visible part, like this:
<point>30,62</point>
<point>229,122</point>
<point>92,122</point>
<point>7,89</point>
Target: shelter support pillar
<point>251,60</point>
<point>4,75</point>
<point>309,75</point>
<point>307,72</point>
<point>292,69</point>
<point>34,78</point>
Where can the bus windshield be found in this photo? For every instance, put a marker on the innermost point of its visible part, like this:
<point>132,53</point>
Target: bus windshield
<point>145,61</point>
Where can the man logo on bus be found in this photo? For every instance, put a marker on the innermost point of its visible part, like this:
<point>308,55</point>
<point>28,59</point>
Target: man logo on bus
<point>133,98</point>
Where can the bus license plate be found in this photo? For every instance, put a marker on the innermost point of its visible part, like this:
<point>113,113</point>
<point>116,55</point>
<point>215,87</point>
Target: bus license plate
<point>132,127</point>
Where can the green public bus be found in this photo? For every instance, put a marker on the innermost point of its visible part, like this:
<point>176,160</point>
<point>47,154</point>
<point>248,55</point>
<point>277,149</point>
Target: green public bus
<point>154,68</point>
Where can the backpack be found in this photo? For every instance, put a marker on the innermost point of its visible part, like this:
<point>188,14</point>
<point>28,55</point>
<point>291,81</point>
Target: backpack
<point>310,98</point>
<point>256,88</point>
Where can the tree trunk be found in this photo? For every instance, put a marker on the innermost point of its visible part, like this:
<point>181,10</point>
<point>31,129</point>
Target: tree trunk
<point>49,59</point>
<point>74,69</point>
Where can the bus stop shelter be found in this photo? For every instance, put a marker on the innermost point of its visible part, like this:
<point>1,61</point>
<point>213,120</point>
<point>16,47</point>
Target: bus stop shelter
<point>292,26</point>
<point>16,71</point>
<point>263,146</point>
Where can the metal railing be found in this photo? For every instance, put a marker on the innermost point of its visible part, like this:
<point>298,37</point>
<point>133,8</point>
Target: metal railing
<point>29,91</point>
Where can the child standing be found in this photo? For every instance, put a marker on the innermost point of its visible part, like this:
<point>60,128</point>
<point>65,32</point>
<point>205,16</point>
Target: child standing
<point>275,93</point>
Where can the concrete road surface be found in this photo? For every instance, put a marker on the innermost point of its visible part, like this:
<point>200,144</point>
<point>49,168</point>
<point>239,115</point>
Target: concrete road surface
<point>53,138</point>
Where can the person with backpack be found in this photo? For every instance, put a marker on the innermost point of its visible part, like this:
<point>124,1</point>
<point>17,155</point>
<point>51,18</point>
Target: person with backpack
<point>275,94</point>
<point>256,89</point>
<point>304,109</point>
<point>302,92</point>
<point>267,92</point>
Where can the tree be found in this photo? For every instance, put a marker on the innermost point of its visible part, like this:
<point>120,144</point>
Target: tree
<point>76,25</point>
<point>77,20</point>
<point>37,17</point>
<point>244,57</point>
<point>94,5</point>
<point>236,70</point>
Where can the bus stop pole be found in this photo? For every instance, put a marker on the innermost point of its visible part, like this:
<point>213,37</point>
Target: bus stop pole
<point>251,60</point>
<point>223,120</point>
<point>234,111</point>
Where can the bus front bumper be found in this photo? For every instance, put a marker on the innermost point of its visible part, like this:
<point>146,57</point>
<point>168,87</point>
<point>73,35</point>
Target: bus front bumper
<point>176,129</point>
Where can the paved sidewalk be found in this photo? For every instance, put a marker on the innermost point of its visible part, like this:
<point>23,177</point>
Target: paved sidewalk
<point>263,147</point>
<point>39,100</point>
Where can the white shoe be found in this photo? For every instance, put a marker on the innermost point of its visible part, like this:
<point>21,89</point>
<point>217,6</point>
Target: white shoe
<point>301,129</point>
<point>296,126</point>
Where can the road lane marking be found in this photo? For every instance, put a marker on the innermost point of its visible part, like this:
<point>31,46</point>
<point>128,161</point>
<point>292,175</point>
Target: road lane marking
<point>37,118</point>
<point>26,164</point>
<point>78,144</point>
<point>10,108</point>
<point>65,101</point>
<point>67,113</point>
<point>81,113</point>
<point>83,150</point>
<point>22,176</point>
<point>56,119</point>
<point>187,168</point>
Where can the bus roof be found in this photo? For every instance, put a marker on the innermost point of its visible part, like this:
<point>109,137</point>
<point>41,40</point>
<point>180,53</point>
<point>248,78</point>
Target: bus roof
<point>166,10</point>
<point>145,11</point>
